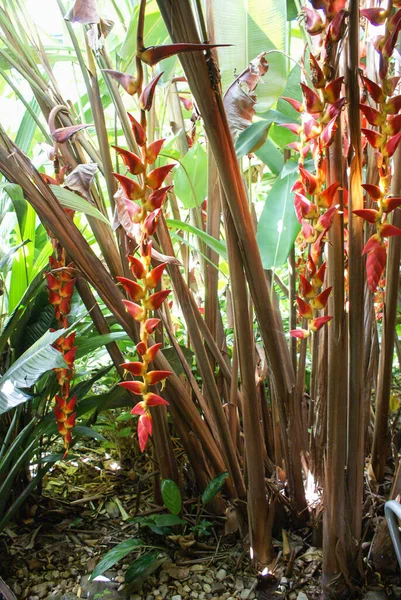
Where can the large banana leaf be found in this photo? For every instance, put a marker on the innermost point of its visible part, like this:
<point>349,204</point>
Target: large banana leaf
<point>278,225</point>
<point>38,359</point>
<point>252,27</point>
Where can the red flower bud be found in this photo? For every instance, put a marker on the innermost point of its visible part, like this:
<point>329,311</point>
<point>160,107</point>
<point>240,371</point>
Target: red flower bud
<point>299,333</point>
<point>67,289</point>
<point>318,323</point>
<point>157,176</point>
<point>374,138</point>
<point>333,89</point>
<point>153,377</point>
<point>373,116</point>
<point>152,151</point>
<point>387,230</point>
<point>313,21</point>
<point>305,288</point>
<point>375,263</point>
<point>375,16</point>
<point>154,276</point>
<point>368,214</point>
<point>127,81</point>
<point>325,198</point>
<point>136,311</point>
<point>150,223</point>
<point>154,400</point>
<point>336,28</point>
<point>132,190</point>
<point>131,161</point>
<point>157,198</point>
<point>156,300</point>
<point>136,387</point>
<point>139,409</point>
<point>373,242</point>
<point>373,190</point>
<point>152,351</point>
<point>52,282</point>
<point>133,289</point>
<point>137,130</point>
<point>150,325</point>
<point>310,182</point>
<point>141,348</point>
<point>326,219</point>
<point>320,301</point>
<point>375,91</point>
<point>312,101</point>
<point>304,309</point>
<point>392,145</point>
<point>389,204</point>
<point>319,80</point>
<point>146,99</point>
<point>318,279</point>
<point>299,107</point>
<point>137,267</point>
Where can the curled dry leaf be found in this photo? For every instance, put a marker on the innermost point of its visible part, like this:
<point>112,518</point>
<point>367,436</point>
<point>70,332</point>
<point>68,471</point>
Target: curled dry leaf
<point>240,100</point>
<point>84,12</point>
<point>81,178</point>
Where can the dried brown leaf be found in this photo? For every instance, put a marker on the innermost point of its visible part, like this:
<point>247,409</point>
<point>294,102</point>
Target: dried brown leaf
<point>83,11</point>
<point>240,99</point>
<point>81,178</point>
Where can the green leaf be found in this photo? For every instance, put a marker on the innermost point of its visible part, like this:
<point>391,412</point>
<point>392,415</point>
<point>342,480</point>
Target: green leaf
<point>190,178</point>
<point>278,225</point>
<point>115,555</point>
<point>74,202</point>
<point>214,487</point>
<point>167,520</point>
<point>27,369</point>
<point>252,138</point>
<point>292,11</point>
<point>81,431</point>
<point>271,156</point>
<point>89,344</point>
<point>281,135</point>
<point>252,27</point>
<point>173,359</point>
<point>218,246</point>
<point>171,496</point>
<point>144,566</point>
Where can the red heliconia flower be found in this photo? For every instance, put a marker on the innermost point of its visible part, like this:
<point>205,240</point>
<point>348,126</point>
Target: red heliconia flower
<point>375,91</point>
<point>391,40</point>
<point>53,283</point>
<point>69,356</point>
<point>131,161</point>
<point>137,267</point>
<point>373,190</point>
<point>131,188</point>
<point>325,199</point>
<point>151,352</point>
<point>389,204</point>
<point>293,127</point>
<point>67,289</point>
<point>336,28</point>
<point>375,16</point>
<point>150,223</point>
<point>152,151</point>
<point>388,230</point>
<point>311,266</point>
<point>299,333</point>
<point>187,102</point>
<point>313,21</point>
<point>63,134</point>
<point>375,263</point>
<point>137,130</point>
<point>308,232</point>
<point>141,348</point>
<point>154,54</point>
<point>299,107</point>
<point>305,310</point>
<point>318,278</point>
<point>310,182</point>
<point>153,377</point>
<point>333,110</point>
<point>305,288</point>
<point>133,289</point>
<point>127,81</point>
<point>157,198</point>
<point>144,430</point>
<point>66,343</point>
<point>319,80</point>
<point>157,176</point>
<point>326,219</point>
<point>328,133</point>
<point>154,276</point>
<point>389,86</point>
<point>136,368</point>
<point>150,325</point>
<point>136,311</point>
<point>333,89</point>
<point>146,98</point>
<point>392,145</point>
<point>311,128</point>
<point>304,208</point>
<point>392,125</point>
<point>152,399</point>
<point>156,300</point>
<point>320,301</point>
<point>368,214</point>
<point>374,138</point>
<point>136,387</point>
<point>373,242</point>
<point>373,116</point>
<point>139,409</point>
<point>318,323</point>
<point>302,150</point>
<point>313,103</point>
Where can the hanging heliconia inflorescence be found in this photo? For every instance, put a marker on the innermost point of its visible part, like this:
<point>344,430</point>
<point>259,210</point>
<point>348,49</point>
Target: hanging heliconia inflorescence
<point>384,139</point>
<point>60,284</point>
<point>313,199</point>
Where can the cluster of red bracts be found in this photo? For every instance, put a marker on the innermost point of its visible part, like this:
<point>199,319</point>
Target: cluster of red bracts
<point>60,283</point>
<point>384,139</point>
<point>144,199</point>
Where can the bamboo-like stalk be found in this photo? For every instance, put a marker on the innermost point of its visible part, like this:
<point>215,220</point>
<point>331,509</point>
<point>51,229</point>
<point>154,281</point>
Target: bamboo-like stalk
<point>334,491</point>
<point>356,438</point>
<point>202,77</point>
<point>380,434</point>
<point>260,537</point>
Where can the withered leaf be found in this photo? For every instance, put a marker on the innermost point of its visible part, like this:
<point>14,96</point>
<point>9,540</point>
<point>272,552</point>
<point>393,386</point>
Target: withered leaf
<point>63,134</point>
<point>240,99</point>
<point>81,178</point>
<point>83,11</point>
